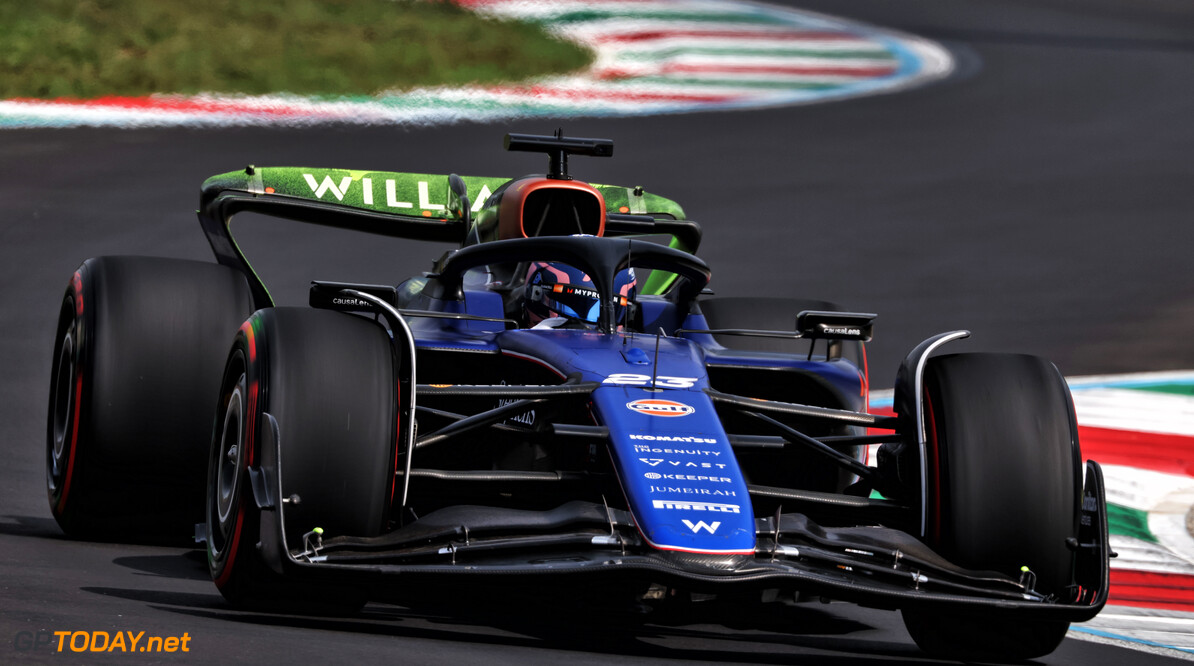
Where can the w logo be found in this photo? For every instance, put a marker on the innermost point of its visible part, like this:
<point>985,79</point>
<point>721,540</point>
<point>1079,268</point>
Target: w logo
<point>702,525</point>
<point>321,189</point>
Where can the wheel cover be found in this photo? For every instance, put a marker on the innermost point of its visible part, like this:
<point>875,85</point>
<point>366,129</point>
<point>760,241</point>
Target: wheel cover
<point>225,474</point>
<point>64,410</point>
<point>64,401</point>
<point>231,446</point>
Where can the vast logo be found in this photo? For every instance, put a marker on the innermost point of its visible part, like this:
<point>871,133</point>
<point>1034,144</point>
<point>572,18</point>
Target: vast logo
<point>702,525</point>
<point>654,462</point>
<point>657,407</point>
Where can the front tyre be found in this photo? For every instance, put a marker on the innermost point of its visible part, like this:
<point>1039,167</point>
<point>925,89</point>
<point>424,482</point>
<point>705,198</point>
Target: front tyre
<point>327,380</point>
<point>1003,492</point>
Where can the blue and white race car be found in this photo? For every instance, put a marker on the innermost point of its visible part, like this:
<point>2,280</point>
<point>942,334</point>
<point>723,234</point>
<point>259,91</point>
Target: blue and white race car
<point>561,401</point>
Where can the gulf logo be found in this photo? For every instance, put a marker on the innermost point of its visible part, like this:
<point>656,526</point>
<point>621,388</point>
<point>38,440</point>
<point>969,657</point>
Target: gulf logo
<point>656,407</point>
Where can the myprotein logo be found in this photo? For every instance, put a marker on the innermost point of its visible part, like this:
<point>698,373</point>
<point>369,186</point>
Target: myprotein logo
<point>657,407</point>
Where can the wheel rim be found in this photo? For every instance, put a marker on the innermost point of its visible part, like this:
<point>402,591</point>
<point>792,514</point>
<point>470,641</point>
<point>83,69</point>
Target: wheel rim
<point>231,441</point>
<point>64,398</point>
<point>225,467</point>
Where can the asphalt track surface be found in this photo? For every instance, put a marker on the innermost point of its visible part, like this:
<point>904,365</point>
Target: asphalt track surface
<point>1041,198</point>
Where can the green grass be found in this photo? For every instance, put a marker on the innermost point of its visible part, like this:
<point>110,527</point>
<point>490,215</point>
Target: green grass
<point>91,48</point>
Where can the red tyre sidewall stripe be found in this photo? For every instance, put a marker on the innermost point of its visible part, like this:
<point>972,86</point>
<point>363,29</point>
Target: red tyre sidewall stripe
<point>226,571</point>
<point>933,455</point>
<point>866,378</point>
<point>74,440</point>
<point>252,387</point>
<point>76,284</point>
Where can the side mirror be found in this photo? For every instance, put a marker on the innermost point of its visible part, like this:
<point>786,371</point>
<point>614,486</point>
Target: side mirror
<point>458,203</point>
<point>821,325</point>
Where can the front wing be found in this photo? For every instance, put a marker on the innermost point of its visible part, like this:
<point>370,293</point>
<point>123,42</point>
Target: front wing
<point>580,541</point>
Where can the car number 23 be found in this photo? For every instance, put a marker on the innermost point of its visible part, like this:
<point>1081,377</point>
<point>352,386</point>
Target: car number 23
<point>631,379</point>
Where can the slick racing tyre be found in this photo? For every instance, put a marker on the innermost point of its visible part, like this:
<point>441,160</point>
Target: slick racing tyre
<point>1003,492</point>
<point>137,355</point>
<point>327,381</point>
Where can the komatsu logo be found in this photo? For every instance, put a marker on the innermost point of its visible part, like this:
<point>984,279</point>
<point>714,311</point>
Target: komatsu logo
<point>712,507</point>
<point>686,439</point>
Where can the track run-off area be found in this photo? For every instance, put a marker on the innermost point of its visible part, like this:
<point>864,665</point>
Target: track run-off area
<point>1141,428</point>
<point>660,57</point>
<point>650,57</point>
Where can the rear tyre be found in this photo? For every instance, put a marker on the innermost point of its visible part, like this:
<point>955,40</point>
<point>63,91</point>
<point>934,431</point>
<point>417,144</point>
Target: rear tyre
<point>327,378</point>
<point>138,350</point>
<point>1003,492</point>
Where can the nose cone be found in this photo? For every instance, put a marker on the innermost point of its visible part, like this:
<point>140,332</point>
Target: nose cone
<point>681,479</point>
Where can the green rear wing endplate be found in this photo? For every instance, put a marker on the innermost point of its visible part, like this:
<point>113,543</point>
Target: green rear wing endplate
<point>401,205</point>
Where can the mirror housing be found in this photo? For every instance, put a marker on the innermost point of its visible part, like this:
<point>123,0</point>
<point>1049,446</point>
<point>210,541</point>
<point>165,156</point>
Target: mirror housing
<point>824,325</point>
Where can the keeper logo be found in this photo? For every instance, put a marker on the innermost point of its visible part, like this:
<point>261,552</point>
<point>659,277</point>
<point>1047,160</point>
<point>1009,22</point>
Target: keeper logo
<point>687,477</point>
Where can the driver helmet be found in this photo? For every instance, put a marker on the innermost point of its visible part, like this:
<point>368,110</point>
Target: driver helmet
<point>559,290</point>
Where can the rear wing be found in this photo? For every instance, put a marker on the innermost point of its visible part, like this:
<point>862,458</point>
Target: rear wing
<point>403,205</point>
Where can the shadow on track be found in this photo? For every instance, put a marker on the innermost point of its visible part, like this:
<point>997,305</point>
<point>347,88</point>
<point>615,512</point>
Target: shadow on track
<point>708,630</point>
<point>31,526</point>
<point>190,565</point>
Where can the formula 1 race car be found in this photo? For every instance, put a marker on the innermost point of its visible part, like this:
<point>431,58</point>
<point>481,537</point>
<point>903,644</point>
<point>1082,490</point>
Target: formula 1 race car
<point>560,400</point>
